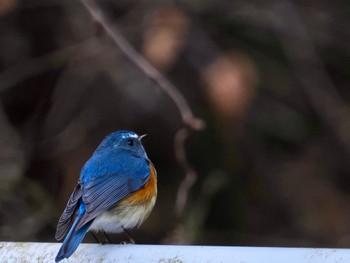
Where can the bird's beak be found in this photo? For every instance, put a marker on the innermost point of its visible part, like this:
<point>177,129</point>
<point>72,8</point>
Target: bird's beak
<point>142,136</point>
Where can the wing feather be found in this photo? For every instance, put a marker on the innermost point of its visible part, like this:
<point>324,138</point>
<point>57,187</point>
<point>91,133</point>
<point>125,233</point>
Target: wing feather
<point>67,216</point>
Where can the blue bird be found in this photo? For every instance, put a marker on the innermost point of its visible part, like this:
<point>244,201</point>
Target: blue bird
<point>117,190</point>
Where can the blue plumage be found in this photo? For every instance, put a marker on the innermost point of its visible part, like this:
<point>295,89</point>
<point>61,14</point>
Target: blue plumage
<point>74,237</point>
<point>118,169</point>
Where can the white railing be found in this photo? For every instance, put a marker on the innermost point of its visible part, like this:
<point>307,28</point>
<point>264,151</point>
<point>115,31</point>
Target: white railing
<point>18,252</point>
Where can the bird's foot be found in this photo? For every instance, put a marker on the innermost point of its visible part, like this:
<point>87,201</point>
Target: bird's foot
<point>131,240</point>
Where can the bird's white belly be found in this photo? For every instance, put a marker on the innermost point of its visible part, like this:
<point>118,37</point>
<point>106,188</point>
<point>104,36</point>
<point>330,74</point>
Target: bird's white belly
<point>125,216</point>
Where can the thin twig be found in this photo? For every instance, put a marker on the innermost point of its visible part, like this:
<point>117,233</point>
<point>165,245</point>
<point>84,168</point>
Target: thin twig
<point>153,74</point>
<point>190,173</point>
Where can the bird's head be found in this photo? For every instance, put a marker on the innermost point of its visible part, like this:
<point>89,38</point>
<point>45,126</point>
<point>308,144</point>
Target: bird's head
<point>123,141</point>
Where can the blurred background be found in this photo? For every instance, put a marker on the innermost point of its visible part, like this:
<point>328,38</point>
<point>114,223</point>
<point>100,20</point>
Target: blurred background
<point>269,78</point>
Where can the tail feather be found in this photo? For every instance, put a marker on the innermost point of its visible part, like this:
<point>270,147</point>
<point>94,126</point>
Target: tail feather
<point>72,240</point>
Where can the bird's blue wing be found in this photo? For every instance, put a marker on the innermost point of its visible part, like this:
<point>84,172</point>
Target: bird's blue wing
<point>104,191</point>
<point>67,216</point>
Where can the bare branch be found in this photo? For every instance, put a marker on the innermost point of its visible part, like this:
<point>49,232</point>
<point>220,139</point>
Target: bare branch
<point>153,74</point>
<point>190,173</point>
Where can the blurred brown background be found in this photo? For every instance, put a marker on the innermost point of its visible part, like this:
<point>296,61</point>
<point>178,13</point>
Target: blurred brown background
<point>269,78</point>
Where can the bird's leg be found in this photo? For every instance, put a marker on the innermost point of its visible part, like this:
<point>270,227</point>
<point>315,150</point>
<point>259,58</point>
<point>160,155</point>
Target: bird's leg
<point>132,241</point>
<point>95,237</point>
<point>108,240</point>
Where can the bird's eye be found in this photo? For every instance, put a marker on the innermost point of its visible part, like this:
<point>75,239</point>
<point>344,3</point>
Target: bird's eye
<point>130,142</point>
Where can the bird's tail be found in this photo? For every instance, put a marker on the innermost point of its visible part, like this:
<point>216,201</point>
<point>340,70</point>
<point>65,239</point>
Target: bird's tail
<point>72,240</point>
